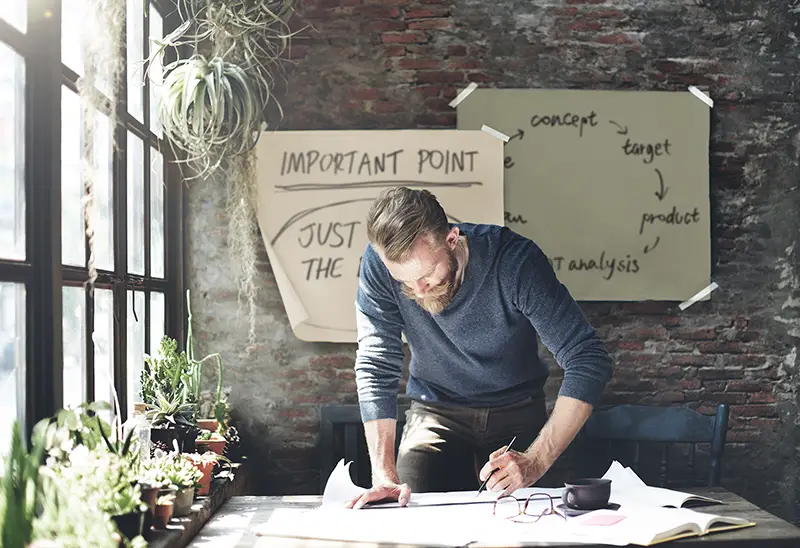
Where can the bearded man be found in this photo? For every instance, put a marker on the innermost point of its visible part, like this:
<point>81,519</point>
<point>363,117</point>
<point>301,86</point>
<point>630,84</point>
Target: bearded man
<point>470,300</point>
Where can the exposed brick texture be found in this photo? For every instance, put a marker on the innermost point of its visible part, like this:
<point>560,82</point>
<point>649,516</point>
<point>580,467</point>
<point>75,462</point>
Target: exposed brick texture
<point>396,63</point>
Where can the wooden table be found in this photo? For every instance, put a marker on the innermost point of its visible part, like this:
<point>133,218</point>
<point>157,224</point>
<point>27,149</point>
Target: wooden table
<point>232,526</point>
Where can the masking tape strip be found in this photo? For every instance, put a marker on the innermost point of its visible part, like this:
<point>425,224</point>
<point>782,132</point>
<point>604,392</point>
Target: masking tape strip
<point>702,293</point>
<point>495,133</point>
<point>702,96</point>
<point>463,95</point>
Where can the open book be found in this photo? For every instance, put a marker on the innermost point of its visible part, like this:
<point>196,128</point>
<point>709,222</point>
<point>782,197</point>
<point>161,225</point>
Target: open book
<point>628,490</point>
<point>649,526</point>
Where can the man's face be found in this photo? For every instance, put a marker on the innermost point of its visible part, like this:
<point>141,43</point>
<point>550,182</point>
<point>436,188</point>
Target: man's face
<point>429,274</point>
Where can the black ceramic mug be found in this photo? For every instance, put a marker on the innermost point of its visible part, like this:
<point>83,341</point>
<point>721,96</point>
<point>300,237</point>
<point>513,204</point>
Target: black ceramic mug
<point>586,493</point>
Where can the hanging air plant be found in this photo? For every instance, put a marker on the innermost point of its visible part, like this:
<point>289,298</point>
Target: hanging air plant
<point>210,110</point>
<point>214,108</point>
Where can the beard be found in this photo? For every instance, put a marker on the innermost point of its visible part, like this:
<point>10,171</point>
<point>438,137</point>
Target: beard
<point>438,297</point>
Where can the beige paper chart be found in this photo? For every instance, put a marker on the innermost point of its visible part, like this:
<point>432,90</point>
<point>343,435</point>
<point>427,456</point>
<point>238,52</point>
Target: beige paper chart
<point>613,185</point>
<point>314,191</point>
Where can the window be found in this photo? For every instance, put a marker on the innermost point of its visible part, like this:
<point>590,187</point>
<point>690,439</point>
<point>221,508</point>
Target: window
<point>12,358</point>
<point>138,280</point>
<point>12,154</point>
<point>88,342</point>
<point>13,12</point>
<point>12,230</point>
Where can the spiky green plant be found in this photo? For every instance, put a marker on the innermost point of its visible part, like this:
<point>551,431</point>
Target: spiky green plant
<point>165,373</point>
<point>20,490</point>
<point>171,411</point>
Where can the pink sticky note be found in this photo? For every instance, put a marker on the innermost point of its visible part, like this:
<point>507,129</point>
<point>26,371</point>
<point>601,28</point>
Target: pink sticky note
<point>603,519</point>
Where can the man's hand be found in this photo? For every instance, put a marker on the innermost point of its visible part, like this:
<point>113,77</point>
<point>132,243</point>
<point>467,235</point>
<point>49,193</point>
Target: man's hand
<point>386,491</point>
<point>515,470</point>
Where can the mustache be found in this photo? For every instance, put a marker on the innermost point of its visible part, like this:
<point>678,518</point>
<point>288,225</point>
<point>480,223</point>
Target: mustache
<point>438,297</point>
<point>433,303</point>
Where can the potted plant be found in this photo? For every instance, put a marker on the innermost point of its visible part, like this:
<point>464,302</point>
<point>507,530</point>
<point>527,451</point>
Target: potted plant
<point>172,420</point>
<point>205,463</point>
<point>67,520</point>
<point>175,470</point>
<point>210,441</point>
<point>213,411</point>
<point>163,512</point>
<point>168,389</point>
<point>70,428</point>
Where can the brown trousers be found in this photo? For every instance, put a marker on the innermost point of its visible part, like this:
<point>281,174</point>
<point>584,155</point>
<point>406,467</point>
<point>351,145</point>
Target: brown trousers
<point>443,448</point>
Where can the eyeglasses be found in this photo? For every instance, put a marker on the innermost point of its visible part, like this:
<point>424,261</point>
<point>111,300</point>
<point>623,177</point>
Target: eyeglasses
<point>508,507</point>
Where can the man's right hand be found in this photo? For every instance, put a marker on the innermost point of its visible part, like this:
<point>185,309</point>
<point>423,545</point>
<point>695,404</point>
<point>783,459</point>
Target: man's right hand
<point>386,491</point>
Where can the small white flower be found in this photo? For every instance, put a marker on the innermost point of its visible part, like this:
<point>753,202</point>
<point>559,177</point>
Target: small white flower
<point>79,455</point>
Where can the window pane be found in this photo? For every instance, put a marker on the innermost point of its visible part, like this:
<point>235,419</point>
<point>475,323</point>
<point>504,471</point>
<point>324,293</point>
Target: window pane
<point>102,204</point>
<point>135,205</point>
<point>135,49</point>
<point>103,339</point>
<point>157,32</point>
<point>73,13</point>
<point>157,314</point>
<point>157,214</point>
<point>135,357</point>
<point>74,344</point>
<point>12,153</point>
<point>72,241</point>
<point>12,360</point>
<point>13,11</point>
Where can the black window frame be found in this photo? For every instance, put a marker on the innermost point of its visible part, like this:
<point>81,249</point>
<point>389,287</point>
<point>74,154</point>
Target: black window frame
<point>42,271</point>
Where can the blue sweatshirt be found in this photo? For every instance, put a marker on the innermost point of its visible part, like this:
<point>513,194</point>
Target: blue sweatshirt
<point>481,351</point>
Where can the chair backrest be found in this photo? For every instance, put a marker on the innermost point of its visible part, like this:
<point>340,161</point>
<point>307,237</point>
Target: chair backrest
<point>342,437</point>
<point>666,428</point>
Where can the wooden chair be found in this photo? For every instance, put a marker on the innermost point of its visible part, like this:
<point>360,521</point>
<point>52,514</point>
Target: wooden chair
<point>342,437</point>
<point>665,428</point>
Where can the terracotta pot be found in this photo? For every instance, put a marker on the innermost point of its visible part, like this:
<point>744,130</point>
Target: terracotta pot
<point>208,424</point>
<point>162,515</point>
<point>149,496</point>
<point>215,446</point>
<point>183,502</point>
<point>205,481</point>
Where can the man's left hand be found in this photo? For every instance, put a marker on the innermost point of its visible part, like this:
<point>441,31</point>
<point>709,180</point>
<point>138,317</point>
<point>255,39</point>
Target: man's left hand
<point>514,471</point>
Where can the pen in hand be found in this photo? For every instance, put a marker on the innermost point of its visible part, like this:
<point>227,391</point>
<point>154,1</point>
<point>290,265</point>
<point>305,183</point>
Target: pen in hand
<point>482,487</point>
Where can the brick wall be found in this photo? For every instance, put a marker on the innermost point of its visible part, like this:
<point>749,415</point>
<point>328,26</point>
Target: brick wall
<point>397,63</point>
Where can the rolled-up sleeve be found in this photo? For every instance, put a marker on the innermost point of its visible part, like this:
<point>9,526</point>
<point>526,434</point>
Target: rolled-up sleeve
<point>560,323</point>
<point>379,357</point>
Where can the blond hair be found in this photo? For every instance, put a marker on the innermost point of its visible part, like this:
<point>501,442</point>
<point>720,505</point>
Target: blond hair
<point>399,216</point>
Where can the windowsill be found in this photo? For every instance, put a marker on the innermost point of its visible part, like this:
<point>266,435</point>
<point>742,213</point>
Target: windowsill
<point>180,531</point>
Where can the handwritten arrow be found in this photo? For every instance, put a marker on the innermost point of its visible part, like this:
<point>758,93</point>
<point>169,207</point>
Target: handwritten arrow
<point>620,130</point>
<point>648,249</point>
<point>519,134</point>
<point>663,190</point>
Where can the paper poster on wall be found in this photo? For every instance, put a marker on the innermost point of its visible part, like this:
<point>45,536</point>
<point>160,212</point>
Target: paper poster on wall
<point>612,185</point>
<point>314,191</point>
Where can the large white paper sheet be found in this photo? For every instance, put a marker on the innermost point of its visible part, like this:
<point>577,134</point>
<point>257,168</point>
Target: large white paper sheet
<point>462,518</point>
<point>447,525</point>
<point>340,489</point>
